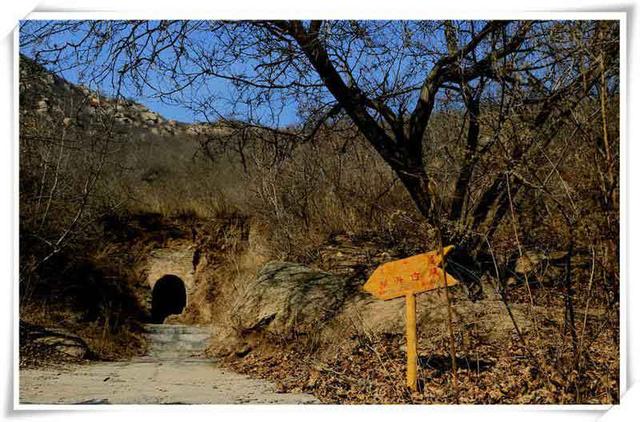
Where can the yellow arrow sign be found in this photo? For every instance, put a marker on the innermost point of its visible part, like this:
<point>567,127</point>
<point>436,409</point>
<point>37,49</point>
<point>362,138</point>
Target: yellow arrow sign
<point>406,277</point>
<point>419,273</point>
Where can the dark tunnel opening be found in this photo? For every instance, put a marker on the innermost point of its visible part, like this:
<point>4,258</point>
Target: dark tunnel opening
<point>168,297</point>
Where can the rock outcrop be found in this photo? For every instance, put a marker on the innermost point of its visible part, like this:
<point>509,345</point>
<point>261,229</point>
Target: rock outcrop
<point>54,99</point>
<point>51,99</point>
<point>287,298</point>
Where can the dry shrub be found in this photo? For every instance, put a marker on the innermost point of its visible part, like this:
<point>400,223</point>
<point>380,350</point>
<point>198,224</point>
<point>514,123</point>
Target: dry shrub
<point>334,185</point>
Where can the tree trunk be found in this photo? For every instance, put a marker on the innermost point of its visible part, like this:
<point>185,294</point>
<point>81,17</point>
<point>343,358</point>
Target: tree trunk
<point>416,181</point>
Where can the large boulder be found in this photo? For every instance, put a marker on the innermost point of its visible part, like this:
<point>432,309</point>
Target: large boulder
<point>287,298</point>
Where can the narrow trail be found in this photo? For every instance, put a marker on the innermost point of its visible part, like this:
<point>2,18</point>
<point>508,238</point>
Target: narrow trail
<point>174,371</point>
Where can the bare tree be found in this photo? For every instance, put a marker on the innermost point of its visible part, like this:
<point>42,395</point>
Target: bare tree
<point>516,82</point>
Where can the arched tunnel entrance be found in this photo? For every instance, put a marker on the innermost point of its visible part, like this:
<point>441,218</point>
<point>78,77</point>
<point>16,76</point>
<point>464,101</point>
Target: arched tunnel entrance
<point>168,297</point>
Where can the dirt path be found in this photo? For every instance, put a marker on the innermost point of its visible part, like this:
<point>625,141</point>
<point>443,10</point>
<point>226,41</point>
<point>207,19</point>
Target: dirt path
<point>174,372</point>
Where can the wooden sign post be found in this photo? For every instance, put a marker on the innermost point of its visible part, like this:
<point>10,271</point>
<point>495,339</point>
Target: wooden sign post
<point>412,343</point>
<point>407,277</point>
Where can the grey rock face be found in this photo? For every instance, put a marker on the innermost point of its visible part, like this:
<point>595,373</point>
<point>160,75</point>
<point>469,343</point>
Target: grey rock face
<point>287,298</point>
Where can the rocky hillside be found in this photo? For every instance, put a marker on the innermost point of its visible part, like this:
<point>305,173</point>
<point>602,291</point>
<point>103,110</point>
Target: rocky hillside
<point>53,98</point>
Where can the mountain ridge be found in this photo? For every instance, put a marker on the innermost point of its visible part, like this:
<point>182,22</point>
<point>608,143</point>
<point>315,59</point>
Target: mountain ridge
<point>47,95</point>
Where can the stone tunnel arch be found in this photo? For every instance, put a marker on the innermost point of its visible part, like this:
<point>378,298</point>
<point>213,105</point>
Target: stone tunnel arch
<point>168,297</point>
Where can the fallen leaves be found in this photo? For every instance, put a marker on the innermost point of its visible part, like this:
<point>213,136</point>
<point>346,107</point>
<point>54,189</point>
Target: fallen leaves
<point>488,374</point>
